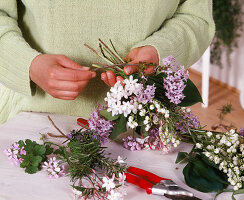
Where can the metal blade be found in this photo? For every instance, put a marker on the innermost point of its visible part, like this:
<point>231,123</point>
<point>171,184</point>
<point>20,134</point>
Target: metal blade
<point>181,197</point>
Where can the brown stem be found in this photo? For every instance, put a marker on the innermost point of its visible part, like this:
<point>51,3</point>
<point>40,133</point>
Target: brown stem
<point>111,66</point>
<point>63,135</point>
<point>223,127</point>
<point>110,50</point>
<point>86,45</point>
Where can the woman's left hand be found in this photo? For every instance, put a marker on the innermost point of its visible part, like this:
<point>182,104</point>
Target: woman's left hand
<point>146,54</point>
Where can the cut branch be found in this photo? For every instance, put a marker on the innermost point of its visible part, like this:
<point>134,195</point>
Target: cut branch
<point>63,135</point>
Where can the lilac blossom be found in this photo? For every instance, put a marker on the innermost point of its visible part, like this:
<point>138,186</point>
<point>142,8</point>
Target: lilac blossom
<point>174,84</point>
<point>14,154</point>
<point>241,132</point>
<point>147,95</point>
<point>54,168</point>
<point>102,126</point>
<point>170,62</point>
<point>131,144</point>
<point>189,121</point>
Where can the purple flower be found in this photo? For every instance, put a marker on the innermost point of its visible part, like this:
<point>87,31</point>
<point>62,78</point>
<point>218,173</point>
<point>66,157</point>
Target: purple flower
<point>131,144</point>
<point>14,154</point>
<point>189,121</point>
<point>241,132</point>
<point>147,95</point>
<point>100,125</point>
<point>54,168</point>
<point>169,61</point>
<point>174,84</point>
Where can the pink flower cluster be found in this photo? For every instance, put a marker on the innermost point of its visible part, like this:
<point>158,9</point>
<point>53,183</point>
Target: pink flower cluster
<point>14,154</point>
<point>54,168</point>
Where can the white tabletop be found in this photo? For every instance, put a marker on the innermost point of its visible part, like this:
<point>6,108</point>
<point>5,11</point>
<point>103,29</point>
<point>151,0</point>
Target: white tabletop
<point>15,184</point>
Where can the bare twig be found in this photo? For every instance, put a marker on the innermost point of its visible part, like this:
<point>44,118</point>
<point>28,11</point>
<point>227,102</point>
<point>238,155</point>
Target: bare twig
<point>86,45</point>
<point>63,135</point>
<point>114,54</point>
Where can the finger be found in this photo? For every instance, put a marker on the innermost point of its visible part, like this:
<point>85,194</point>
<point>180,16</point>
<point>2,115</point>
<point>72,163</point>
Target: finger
<point>104,77</point>
<point>132,54</point>
<point>67,85</point>
<point>149,70</point>
<point>65,74</point>
<point>128,70</point>
<point>111,78</point>
<point>65,94</point>
<point>120,79</point>
<point>67,62</point>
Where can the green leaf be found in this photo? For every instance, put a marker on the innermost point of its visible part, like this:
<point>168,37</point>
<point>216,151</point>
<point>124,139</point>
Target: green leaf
<point>108,115</point>
<point>140,120</point>
<point>119,127</point>
<point>36,161</point>
<point>192,95</point>
<point>181,157</point>
<point>21,143</point>
<point>49,150</point>
<point>39,150</point>
<point>31,169</point>
<point>204,177</point>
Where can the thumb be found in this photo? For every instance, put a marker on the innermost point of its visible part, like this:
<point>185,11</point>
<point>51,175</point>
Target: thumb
<point>132,54</point>
<point>128,70</point>
<point>68,63</point>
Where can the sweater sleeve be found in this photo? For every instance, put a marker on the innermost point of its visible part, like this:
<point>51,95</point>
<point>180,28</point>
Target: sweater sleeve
<point>15,53</point>
<point>186,35</point>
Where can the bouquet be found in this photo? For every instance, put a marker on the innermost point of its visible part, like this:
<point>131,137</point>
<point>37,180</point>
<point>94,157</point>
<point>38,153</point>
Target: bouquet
<point>155,107</point>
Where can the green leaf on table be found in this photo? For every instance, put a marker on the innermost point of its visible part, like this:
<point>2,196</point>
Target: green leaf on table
<point>192,95</point>
<point>181,157</point>
<point>49,149</point>
<point>108,115</point>
<point>36,160</point>
<point>31,169</point>
<point>39,150</point>
<point>119,127</point>
<point>203,177</point>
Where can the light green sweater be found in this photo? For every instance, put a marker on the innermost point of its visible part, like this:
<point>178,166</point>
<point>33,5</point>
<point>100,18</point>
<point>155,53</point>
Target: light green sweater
<point>182,28</point>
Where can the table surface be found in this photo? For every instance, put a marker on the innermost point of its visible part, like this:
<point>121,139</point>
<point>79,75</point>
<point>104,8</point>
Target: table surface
<point>15,184</point>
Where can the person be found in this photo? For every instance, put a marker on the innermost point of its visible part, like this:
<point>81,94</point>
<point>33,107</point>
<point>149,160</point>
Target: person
<point>44,66</point>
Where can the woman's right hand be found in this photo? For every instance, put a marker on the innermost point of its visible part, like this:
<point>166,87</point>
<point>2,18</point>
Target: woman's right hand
<point>60,76</point>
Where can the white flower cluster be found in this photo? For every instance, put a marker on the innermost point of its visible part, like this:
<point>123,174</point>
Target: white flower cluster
<point>227,152</point>
<point>168,138</point>
<point>113,192</point>
<point>152,115</point>
<point>117,93</point>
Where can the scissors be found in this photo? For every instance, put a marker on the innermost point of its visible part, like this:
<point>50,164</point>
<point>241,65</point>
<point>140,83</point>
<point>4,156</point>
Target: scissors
<point>154,184</point>
<point>150,182</point>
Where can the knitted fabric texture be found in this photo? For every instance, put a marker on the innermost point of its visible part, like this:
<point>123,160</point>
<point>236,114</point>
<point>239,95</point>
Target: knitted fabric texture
<point>182,28</point>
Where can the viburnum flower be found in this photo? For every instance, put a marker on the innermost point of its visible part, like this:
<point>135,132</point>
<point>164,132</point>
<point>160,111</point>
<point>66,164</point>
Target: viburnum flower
<point>54,168</point>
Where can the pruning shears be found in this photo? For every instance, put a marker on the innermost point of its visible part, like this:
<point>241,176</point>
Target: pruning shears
<point>150,182</point>
<point>154,184</point>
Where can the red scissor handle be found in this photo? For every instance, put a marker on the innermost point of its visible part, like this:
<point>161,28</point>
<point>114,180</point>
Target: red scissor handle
<point>139,182</point>
<point>83,123</point>
<point>146,175</point>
